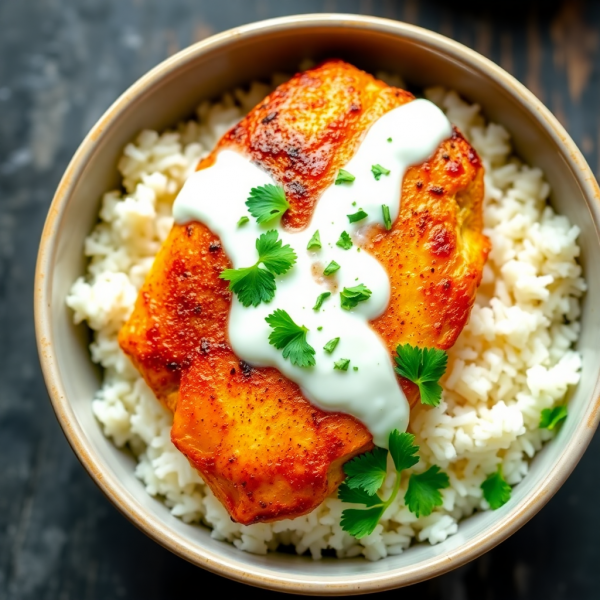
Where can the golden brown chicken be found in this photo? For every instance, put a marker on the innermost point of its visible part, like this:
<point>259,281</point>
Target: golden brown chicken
<point>265,451</point>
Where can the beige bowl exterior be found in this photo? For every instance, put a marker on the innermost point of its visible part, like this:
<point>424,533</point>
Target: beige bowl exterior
<point>170,92</point>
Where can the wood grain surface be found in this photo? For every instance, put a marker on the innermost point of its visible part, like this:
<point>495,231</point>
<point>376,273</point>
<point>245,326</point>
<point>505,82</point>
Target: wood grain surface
<point>62,62</point>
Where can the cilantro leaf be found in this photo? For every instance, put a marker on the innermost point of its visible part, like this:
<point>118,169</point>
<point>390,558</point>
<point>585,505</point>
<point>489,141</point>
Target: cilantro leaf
<point>342,364</point>
<point>344,177</point>
<point>360,523</point>
<point>254,284</point>
<point>424,367</point>
<point>331,268</point>
<point>315,241</point>
<point>243,220</point>
<point>344,242</point>
<point>551,418</point>
<point>322,297</point>
<point>329,347</point>
<point>387,219</point>
<point>267,202</point>
<point>495,489</point>
<point>367,471</point>
<point>290,338</point>
<point>277,258</point>
<point>357,216</point>
<point>350,297</point>
<point>366,474</point>
<point>378,171</point>
<point>403,450</point>
<point>423,493</point>
<point>357,496</point>
<point>389,139</point>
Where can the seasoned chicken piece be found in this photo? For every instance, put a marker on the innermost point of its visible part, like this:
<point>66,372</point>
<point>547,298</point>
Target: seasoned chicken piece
<point>264,450</point>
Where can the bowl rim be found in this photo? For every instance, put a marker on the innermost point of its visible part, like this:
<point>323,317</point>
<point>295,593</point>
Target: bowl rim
<point>112,487</point>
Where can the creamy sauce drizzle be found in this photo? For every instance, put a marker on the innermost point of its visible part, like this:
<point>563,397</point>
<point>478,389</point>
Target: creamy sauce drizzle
<point>216,197</point>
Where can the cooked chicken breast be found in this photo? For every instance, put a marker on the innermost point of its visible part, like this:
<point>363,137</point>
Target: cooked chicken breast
<point>264,450</point>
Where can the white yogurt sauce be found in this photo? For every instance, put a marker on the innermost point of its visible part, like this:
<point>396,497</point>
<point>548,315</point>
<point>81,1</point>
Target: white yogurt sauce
<point>216,197</point>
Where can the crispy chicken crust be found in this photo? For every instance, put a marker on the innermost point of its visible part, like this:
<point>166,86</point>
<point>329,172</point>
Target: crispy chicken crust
<point>264,450</point>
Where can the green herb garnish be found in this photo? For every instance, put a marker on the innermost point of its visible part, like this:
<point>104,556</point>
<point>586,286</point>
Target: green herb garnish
<point>267,202</point>
<point>344,242</point>
<point>256,284</point>
<point>424,367</point>
<point>378,171</point>
<point>243,220</point>
<point>344,177</point>
<point>350,297</point>
<point>389,139</point>
<point>342,364</point>
<point>315,241</point>
<point>290,338</point>
<point>322,297</point>
<point>386,216</point>
<point>357,216</point>
<point>551,418</point>
<point>495,489</point>
<point>329,347</point>
<point>366,474</point>
<point>331,268</point>
<point>423,493</point>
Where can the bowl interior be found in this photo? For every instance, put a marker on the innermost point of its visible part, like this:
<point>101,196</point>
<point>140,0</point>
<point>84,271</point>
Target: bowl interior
<point>171,93</point>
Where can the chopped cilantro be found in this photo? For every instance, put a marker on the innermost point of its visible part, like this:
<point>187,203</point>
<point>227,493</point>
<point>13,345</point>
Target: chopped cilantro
<point>243,220</point>
<point>329,347</point>
<point>495,489</point>
<point>551,418</point>
<point>387,219</point>
<point>366,474</point>
<point>315,241</point>
<point>378,171</point>
<point>350,297</point>
<point>290,338</point>
<point>320,328</point>
<point>423,493</point>
<point>357,216</point>
<point>331,268</point>
<point>267,202</point>
<point>424,367</point>
<point>344,242</point>
<point>344,177</point>
<point>355,368</point>
<point>256,284</point>
<point>389,139</point>
<point>342,364</point>
<point>322,297</point>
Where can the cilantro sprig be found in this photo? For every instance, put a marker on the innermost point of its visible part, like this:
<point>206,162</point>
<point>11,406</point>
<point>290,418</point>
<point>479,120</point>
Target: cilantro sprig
<point>551,418</point>
<point>495,489</point>
<point>267,202</point>
<point>424,367</point>
<point>256,284</point>
<point>291,338</point>
<point>366,474</point>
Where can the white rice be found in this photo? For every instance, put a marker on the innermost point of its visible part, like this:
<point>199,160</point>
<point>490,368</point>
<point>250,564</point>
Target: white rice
<point>513,359</point>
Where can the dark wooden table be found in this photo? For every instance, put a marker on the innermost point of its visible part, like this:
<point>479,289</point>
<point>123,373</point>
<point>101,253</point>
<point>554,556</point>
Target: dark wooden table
<point>62,62</point>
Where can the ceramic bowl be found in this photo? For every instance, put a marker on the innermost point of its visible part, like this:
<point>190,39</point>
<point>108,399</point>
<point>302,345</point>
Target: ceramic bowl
<point>169,93</point>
